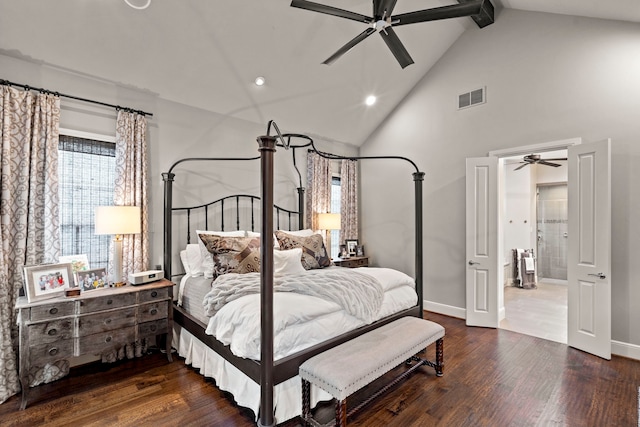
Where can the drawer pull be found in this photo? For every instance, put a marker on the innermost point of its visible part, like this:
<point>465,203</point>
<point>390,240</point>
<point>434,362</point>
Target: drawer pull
<point>107,321</point>
<point>54,310</point>
<point>52,332</point>
<point>154,294</point>
<point>153,328</point>
<point>53,351</point>
<point>109,302</point>
<point>153,311</point>
<point>107,339</point>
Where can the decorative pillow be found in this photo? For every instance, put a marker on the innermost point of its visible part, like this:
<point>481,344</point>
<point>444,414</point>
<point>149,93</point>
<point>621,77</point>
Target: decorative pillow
<point>207,261</point>
<point>288,262</point>
<point>233,254</point>
<point>314,254</point>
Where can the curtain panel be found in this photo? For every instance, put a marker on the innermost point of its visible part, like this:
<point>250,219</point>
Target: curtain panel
<point>348,200</point>
<point>29,219</point>
<point>319,193</point>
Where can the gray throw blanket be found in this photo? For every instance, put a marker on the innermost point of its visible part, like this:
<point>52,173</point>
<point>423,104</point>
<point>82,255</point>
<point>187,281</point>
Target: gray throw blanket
<point>358,294</point>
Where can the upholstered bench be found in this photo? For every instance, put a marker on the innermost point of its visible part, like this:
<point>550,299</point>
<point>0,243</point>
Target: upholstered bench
<point>344,369</point>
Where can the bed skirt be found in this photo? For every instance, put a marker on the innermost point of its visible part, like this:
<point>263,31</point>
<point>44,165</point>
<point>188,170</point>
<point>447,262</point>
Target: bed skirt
<point>287,396</point>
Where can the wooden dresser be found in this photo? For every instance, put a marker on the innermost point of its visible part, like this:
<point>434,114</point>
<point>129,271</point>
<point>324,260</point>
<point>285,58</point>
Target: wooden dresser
<point>91,324</point>
<point>352,262</point>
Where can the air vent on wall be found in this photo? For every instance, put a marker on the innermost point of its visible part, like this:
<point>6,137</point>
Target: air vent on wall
<point>469,99</point>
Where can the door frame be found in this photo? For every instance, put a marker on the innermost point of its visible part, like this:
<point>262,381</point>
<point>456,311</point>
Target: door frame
<point>562,144</point>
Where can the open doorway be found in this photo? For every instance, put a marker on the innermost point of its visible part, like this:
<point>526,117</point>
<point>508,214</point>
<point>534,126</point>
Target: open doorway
<point>535,221</point>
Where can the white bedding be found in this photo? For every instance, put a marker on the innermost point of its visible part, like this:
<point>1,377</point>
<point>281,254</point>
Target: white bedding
<point>299,322</point>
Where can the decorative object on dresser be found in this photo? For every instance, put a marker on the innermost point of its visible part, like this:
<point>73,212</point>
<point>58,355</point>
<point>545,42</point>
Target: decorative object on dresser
<point>352,262</point>
<point>78,262</point>
<point>47,281</point>
<point>351,246</point>
<point>91,324</point>
<point>117,220</point>
<point>89,280</point>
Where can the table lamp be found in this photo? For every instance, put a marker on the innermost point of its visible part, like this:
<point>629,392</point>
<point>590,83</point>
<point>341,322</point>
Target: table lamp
<point>328,222</point>
<point>117,220</point>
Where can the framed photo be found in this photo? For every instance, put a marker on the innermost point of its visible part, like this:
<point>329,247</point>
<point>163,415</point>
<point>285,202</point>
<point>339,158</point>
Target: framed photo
<point>89,280</point>
<point>360,250</point>
<point>343,251</point>
<point>78,262</point>
<point>47,280</point>
<point>351,246</point>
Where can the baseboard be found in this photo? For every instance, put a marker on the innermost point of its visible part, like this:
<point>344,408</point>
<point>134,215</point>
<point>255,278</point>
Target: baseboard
<point>632,351</point>
<point>447,310</point>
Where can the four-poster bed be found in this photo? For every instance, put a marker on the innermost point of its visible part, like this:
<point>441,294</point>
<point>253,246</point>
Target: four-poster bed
<point>269,372</point>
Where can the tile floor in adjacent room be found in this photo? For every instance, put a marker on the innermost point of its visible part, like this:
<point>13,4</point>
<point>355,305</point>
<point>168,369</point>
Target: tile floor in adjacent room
<point>540,312</point>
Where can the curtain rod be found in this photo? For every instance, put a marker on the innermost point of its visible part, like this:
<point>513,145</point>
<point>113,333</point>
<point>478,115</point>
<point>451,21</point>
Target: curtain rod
<point>104,104</point>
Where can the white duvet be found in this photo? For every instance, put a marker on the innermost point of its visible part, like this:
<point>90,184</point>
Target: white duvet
<point>301,321</point>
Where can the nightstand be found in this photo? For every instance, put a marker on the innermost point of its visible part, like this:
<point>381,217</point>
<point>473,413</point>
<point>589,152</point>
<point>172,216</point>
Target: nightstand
<point>93,323</point>
<point>352,262</point>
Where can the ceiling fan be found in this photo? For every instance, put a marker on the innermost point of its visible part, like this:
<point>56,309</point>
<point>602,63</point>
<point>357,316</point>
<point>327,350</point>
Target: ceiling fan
<point>532,159</point>
<point>383,21</point>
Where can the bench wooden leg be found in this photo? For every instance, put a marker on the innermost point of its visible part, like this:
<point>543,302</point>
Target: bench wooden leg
<point>341,413</point>
<point>306,401</point>
<point>439,357</point>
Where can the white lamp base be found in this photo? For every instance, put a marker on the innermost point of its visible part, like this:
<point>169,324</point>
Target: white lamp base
<point>117,260</point>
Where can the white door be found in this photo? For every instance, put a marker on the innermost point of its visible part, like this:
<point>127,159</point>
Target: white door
<point>482,242</point>
<point>589,257</point>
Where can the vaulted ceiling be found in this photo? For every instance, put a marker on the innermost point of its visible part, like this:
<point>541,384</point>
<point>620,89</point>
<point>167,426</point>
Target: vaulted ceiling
<point>207,53</point>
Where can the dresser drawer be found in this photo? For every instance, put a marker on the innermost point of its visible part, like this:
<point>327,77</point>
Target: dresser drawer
<point>41,354</point>
<point>48,332</point>
<point>154,295</point>
<point>152,311</point>
<point>153,328</point>
<point>106,321</point>
<point>106,302</point>
<point>99,343</point>
<point>50,311</point>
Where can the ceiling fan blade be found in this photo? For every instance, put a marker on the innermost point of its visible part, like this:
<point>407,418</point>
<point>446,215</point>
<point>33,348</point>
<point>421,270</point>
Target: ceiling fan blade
<point>397,48</point>
<point>380,6</point>
<point>445,12</point>
<point>521,166</point>
<point>544,162</point>
<point>347,47</point>
<point>329,10</point>
<point>558,159</point>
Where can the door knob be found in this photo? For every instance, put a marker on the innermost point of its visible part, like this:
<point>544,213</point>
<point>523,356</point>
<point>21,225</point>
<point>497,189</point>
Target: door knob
<point>598,275</point>
<point>473,262</point>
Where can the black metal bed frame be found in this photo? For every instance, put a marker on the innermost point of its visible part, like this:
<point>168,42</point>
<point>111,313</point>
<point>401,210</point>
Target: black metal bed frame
<point>268,372</point>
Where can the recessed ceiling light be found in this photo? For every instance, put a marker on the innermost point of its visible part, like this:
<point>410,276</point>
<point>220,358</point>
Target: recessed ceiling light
<point>371,99</point>
<point>259,81</point>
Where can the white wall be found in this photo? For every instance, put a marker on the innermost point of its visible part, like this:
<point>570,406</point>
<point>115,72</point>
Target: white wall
<point>548,78</point>
<point>175,131</point>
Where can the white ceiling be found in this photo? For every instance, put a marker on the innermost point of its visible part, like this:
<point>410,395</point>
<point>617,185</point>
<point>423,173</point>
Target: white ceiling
<point>207,53</point>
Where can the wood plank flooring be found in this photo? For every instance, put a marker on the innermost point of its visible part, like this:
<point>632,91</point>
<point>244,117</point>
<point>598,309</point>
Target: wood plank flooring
<point>491,378</point>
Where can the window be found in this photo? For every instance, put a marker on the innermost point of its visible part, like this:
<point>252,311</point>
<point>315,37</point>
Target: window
<point>86,169</point>
<point>335,208</point>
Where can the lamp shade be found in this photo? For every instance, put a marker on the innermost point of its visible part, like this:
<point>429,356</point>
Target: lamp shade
<point>329,221</point>
<point>117,220</point>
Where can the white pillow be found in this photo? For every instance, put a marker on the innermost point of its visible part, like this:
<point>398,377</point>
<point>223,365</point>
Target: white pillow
<point>288,262</point>
<point>185,264</point>
<point>194,259</point>
<point>207,259</point>
<point>256,234</point>
<point>301,233</point>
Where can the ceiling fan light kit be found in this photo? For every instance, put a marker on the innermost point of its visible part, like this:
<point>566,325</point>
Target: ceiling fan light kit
<point>383,22</point>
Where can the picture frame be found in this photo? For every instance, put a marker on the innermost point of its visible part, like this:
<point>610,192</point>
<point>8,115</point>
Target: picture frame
<point>360,250</point>
<point>47,280</point>
<point>351,246</point>
<point>343,252</point>
<point>90,280</point>
<point>78,262</point>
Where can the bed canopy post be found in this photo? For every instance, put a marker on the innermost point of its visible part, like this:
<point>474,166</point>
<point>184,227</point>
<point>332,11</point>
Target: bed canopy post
<point>168,194</point>
<point>300,208</point>
<point>418,178</point>
<point>267,148</point>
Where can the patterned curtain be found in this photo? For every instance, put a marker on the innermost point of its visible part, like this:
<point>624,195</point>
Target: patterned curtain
<point>319,188</point>
<point>28,213</point>
<point>131,186</point>
<point>348,200</point>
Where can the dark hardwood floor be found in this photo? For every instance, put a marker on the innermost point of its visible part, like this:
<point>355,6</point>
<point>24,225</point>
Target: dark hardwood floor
<point>491,378</point>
